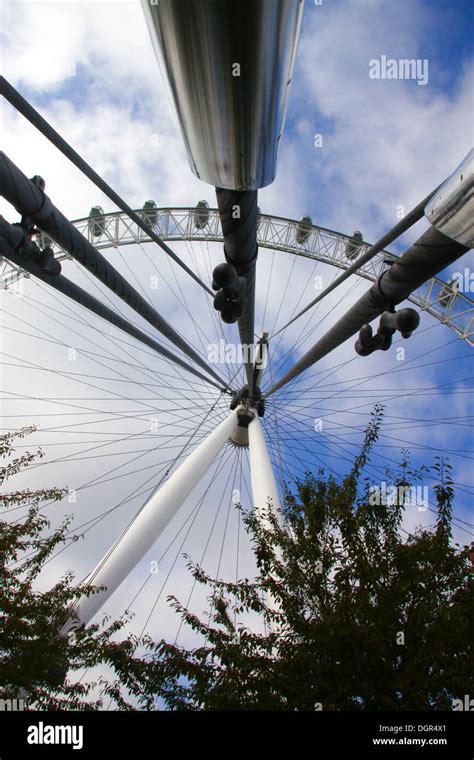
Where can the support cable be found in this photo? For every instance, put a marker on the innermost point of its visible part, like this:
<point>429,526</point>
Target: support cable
<point>80,296</point>
<point>403,225</point>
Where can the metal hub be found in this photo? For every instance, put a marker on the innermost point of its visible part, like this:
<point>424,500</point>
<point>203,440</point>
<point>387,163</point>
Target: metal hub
<point>240,436</point>
<point>244,398</point>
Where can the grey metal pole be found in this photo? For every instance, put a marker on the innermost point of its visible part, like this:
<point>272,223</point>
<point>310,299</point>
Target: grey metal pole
<point>27,110</point>
<point>403,225</point>
<point>83,298</point>
<point>238,213</point>
<point>229,65</point>
<point>30,200</point>
<point>428,256</point>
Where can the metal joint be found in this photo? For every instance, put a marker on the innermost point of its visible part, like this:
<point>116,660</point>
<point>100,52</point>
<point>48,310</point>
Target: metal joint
<point>451,210</point>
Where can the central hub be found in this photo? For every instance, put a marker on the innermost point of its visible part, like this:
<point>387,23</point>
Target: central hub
<point>240,436</point>
<point>244,398</point>
<point>249,401</point>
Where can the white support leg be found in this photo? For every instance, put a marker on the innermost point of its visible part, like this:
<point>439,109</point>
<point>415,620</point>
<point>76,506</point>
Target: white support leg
<point>264,487</point>
<point>150,522</point>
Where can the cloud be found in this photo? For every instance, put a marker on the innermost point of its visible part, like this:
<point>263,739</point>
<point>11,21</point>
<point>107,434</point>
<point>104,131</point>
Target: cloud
<point>386,142</point>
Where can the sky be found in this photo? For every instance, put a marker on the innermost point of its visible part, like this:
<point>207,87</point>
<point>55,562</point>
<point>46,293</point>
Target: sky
<point>115,415</point>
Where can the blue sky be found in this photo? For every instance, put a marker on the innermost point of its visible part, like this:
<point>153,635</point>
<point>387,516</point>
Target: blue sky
<point>385,144</point>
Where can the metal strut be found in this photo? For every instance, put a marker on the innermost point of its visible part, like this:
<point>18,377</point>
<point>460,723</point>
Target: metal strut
<point>408,221</point>
<point>264,487</point>
<point>148,525</point>
<point>27,110</point>
<point>451,210</point>
<point>30,201</point>
<point>428,256</point>
<point>248,403</point>
<point>238,213</point>
<point>12,239</point>
<point>154,516</point>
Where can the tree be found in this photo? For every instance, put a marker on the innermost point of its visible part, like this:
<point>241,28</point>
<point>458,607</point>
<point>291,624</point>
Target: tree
<point>34,657</point>
<point>357,617</point>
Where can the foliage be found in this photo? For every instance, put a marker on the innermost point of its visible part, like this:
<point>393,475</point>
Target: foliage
<point>34,657</point>
<point>357,615</point>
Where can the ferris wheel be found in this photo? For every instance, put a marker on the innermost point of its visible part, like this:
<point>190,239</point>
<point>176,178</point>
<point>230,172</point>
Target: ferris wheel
<point>216,386</point>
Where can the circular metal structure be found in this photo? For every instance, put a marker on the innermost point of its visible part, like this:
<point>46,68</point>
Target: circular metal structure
<point>439,298</point>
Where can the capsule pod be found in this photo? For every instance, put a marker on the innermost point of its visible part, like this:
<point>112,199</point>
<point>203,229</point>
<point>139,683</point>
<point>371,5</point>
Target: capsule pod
<point>353,245</point>
<point>96,221</point>
<point>149,213</point>
<point>303,229</point>
<point>201,215</point>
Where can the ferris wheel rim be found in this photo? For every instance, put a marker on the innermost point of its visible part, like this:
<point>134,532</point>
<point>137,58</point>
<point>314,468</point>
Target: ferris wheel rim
<point>437,297</point>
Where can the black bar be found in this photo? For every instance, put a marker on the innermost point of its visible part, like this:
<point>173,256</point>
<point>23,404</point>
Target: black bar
<point>27,110</point>
<point>319,734</point>
<point>428,256</point>
<point>29,200</point>
<point>240,249</point>
<point>80,296</point>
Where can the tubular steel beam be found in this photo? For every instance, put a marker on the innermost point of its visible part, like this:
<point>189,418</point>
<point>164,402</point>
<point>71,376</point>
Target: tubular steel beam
<point>264,487</point>
<point>74,292</point>
<point>451,210</point>
<point>238,213</point>
<point>27,110</point>
<point>429,255</point>
<point>408,221</point>
<point>148,525</point>
<point>265,496</point>
<point>30,201</point>
<point>228,65</point>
